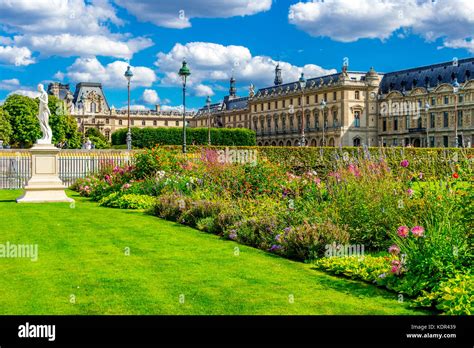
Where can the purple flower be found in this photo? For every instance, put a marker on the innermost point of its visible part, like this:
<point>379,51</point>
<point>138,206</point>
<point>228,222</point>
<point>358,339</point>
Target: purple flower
<point>420,176</point>
<point>278,238</point>
<point>233,234</point>
<point>404,163</point>
<point>287,230</point>
<point>410,192</point>
<point>275,247</point>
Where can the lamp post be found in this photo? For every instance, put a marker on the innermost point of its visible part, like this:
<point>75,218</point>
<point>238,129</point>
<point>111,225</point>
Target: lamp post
<point>208,103</point>
<point>323,107</point>
<point>456,90</point>
<point>128,75</point>
<point>184,72</point>
<point>427,108</point>
<point>302,86</point>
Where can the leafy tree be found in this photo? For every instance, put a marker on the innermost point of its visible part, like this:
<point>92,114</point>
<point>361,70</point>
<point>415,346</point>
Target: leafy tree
<point>97,138</point>
<point>63,125</point>
<point>22,111</point>
<point>5,127</point>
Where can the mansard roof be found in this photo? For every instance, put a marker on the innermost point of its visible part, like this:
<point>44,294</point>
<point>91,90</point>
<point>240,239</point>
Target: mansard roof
<point>84,88</point>
<point>428,76</point>
<point>236,103</point>
<point>319,81</point>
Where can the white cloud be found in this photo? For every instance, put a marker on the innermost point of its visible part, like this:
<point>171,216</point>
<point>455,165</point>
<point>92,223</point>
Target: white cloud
<point>350,20</point>
<point>26,92</point>
<point>135,107</point>
<point>9,84</point>
<point>203,91</point>
<point>13,55</point>
<point>150,96</point>
<point>214,62</point>
<point>178,13</point>
<point>68,45</point>
<point>110,75</point>
<point>67,28</point>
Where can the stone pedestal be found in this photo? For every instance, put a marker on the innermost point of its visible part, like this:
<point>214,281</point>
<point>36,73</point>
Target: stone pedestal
<point>44,185</point>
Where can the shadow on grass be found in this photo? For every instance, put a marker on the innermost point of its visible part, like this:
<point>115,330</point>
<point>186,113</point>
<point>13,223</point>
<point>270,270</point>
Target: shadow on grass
<point>361,289</point>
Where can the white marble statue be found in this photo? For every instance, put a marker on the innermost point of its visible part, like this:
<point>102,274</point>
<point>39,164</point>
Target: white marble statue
<point>43,117</point>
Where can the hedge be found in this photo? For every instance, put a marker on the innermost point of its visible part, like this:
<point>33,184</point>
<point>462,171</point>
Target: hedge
<point>149,137</point>
<point>435,163</point>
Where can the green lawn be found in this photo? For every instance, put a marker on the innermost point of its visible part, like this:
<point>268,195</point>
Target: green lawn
<point>82,253</point>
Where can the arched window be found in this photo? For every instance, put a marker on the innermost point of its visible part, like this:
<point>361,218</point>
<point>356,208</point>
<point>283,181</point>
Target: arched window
<point>93,108</point>
<point>356,141</point>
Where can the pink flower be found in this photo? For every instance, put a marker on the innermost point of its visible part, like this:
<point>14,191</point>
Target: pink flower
<point>404,163</point>
<point>418,231</point>
<point>410,192</point>
<point>394,250</point>
<point>126,186</point>
<point>402,231</point>
<point>395,269</point>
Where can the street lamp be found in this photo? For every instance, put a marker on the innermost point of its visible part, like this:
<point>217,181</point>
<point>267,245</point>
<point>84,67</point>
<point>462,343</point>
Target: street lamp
<point>456,90</point>
<point>427,108</point>
<point>302,86</point>
<point>323,107</point>
<point>184,72</point>
<point>128,75</point>
<point>208,103</point>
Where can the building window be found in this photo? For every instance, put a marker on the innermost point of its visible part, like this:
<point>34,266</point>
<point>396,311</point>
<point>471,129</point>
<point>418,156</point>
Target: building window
<point>93,120</point>
<point>459,118</point>
<point>268,106</point>
<point>395,142</point>
<point>143,122</point>
<point>357,95</point>
<point>261,107</point>
<point>276,104</point>
<point>384,125</point>
<point>291,102</point>
<point>166,122</point>
<point>107,121</point>
<point>446,100</point>
<point>407,122</point>
<point>325,97</point>
<point>107,134</point>
<point>120,122</point>
<point>433,101</point>
<point>93,108</point>
<point>255,108</point>
<point>445,141</point>
<point>395,123</point>
<point>357,119</point>
<point>177,123</point>
<point>284,103</point>
<point>154,123</point>
<point>461,98</point>
<point>132,122</point>
<point>334,96</point>
<point>299,101</point>
<point>316,98</point>
<point>445,119</point>
<point>432,120</point>
<point>432,141</point>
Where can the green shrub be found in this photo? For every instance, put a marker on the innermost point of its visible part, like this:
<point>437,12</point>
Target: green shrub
<point>151,137</point>
<point>170,206</point>
<point>454,296</point>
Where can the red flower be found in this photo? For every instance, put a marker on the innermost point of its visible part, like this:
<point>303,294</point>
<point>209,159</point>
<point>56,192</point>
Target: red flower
<point>455,175</point>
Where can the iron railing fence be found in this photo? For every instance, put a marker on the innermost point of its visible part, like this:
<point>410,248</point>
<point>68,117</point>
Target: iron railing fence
<point>15,165</point>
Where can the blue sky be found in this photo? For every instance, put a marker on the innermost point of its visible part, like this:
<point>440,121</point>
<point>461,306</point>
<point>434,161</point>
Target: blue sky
<point>76,40</point>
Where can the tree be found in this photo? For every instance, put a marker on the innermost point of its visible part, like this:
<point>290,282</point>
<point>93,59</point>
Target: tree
<point>5,127</point>
<point>22,111</point>
<point>97,138</point>
<point>63,125</point>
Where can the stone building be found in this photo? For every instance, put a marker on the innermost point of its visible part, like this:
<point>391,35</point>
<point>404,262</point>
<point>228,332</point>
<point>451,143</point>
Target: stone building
<point>414,107</point>
<point>88,105</point>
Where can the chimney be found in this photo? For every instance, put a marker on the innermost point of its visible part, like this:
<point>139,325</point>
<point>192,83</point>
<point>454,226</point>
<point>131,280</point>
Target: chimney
<point>157,108</point>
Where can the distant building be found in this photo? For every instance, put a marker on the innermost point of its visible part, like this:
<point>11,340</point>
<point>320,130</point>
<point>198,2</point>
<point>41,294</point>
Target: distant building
<point>89,106</point>
<point>414,107</point>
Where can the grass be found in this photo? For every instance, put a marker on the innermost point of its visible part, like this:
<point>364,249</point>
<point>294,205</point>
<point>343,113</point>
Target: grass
<point>82,257</point>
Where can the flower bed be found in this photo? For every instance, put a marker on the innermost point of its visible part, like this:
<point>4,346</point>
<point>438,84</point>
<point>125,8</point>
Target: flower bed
<point>363,203</point>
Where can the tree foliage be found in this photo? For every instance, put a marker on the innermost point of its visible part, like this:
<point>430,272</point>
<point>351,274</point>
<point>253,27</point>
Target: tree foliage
<point>22,111</point>
<point>63,125</point>
<point>5,127</point>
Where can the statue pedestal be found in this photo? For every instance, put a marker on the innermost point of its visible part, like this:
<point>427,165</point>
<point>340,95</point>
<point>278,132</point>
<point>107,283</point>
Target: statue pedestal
<point>44,185</point>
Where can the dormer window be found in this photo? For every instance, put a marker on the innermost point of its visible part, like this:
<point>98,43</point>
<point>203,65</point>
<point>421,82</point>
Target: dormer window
<point>93,108</point>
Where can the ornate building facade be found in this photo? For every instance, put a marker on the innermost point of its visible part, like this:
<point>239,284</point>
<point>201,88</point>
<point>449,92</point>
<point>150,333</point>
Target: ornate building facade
<point>89,106</point>
<point>415,107</point>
